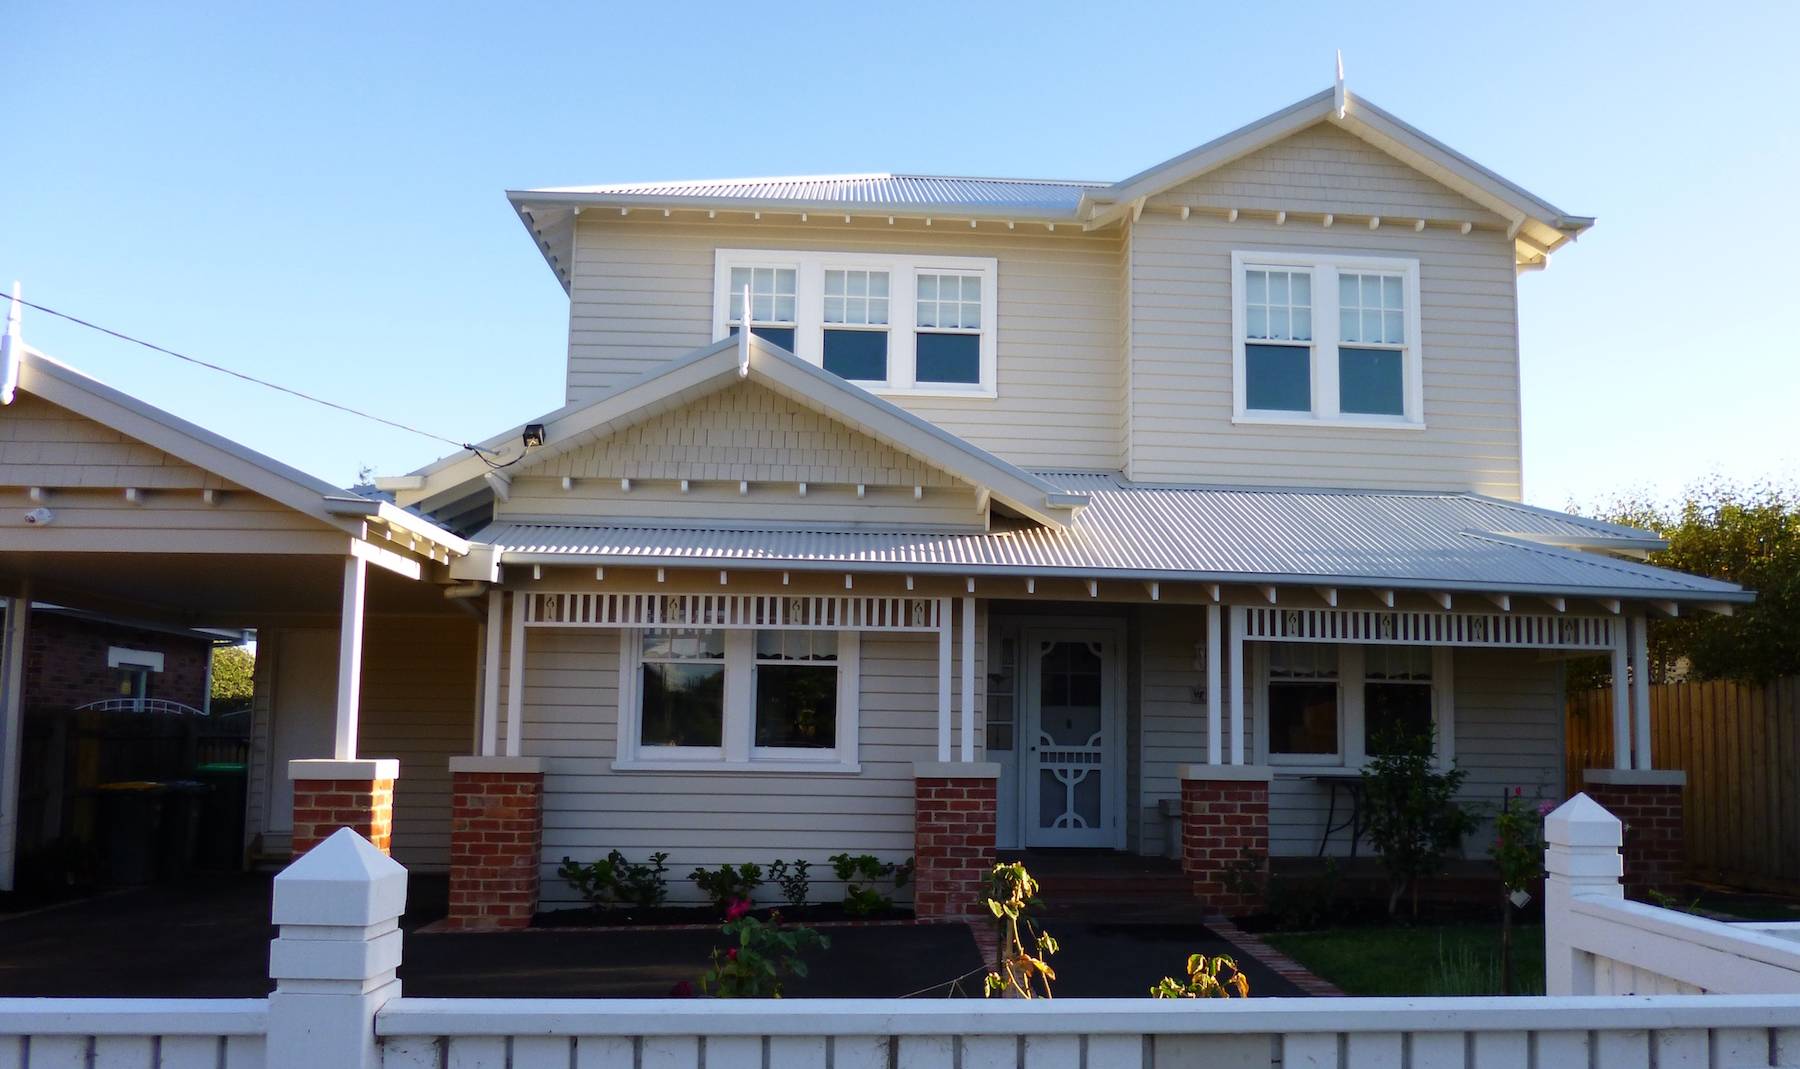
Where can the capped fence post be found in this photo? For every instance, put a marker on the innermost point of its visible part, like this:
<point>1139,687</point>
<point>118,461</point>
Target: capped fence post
<point>1581,860</point>
<point>334,962</point>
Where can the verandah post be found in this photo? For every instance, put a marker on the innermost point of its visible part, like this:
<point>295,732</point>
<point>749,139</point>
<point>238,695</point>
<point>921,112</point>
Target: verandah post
<point>334,963</point>
<point>1581,859</point>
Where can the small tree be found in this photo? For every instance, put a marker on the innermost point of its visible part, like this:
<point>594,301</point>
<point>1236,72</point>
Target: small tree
<point>1410,813</point>
<point>233,673</point>
<point>1518,851</point>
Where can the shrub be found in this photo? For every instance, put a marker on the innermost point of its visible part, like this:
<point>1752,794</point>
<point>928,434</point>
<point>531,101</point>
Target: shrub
<point>766,953</point>
<point>612,880</point>
<point>1019,970</point>
<point>727,884</point>
<point>1410,812</point>
<point>860,873</point>
<point>1206,978</point>
<point>795,884</point>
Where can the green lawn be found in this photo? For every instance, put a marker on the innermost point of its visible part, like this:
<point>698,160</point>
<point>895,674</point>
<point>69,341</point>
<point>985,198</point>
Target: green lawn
<point>1450,959</point>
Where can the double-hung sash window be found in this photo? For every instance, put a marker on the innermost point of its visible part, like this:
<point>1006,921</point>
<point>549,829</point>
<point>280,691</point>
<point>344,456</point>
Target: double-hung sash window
<point>768,700</point>
<point>1305,712</point>
<point>1326,339</point>
<point>891,324</point>
<point>1329,706</point>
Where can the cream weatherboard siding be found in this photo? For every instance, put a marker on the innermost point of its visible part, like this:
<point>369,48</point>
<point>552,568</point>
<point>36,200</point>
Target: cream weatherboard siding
<point>711,818</point>
<point>1181,344</point>
<point>643,293</point>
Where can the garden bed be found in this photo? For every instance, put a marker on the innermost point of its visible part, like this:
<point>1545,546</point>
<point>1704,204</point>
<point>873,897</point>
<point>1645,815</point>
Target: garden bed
<point>708,916</point>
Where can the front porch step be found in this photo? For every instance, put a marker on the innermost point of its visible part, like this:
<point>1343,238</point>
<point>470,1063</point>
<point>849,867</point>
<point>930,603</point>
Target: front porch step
<point>1106,885</point>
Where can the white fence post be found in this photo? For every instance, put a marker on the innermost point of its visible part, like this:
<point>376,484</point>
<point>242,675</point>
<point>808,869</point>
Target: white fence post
<point>339,910</point>
<point>1582,859</point>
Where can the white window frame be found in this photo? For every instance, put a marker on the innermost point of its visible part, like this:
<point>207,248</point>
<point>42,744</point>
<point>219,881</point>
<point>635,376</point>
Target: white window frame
<point>1351,678</point>
<point>1325,397</point>
<point>737,752</point>
<point>902,272</point>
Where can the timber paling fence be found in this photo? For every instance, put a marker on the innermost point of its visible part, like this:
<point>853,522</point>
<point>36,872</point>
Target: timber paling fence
<point>1739,744</point>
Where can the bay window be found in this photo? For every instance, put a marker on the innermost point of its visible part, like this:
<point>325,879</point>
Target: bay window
<point>1326,339</point>
<point>891,324</point>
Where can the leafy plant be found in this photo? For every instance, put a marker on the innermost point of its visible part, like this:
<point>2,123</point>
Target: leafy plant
<point>1206,978</point>
<point>1518,851</point>
<point>727,885</point>
<point>860,873</point>
<point>1410,813</point>
<point>765,954</point>
<point>612,880</point>
<point>1019,970</point>
<point>795,884</point>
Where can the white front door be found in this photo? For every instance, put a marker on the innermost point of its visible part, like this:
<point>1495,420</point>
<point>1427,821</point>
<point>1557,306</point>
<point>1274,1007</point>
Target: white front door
<point>1072,772</point>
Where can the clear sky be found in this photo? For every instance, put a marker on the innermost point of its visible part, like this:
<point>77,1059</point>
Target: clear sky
<point>316,196</point>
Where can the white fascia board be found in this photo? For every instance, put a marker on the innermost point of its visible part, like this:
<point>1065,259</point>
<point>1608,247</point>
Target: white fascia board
<point>525,198</point>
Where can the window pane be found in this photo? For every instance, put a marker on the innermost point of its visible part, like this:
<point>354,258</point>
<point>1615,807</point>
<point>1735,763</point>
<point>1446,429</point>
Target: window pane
<point>1278,378</point>
<point>878,284</point>
<point>1303,718</point>
<point>1349,294</point>
<point>684,644</point>
<point>1395,707</point>
<point>1302,288</point>
<point>796,705</point>
<point>857,354</point>
<point>1370,382</point>
<point>1390,292</point>
<point>1349,325</point>
<point>1256,287</point>
<point>1302,327</point>
<point>834,309</point>
<point>782,336</point>
<point>878,310</point>
<point>928,287</point>
<point>1278,287</point>
<point>1257,325</point>
<point>684,704</point>
<point>834,283</point>
<point>954,358</point>
<point>1395,334</point>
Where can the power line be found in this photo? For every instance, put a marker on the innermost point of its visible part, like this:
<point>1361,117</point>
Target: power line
<point>290,391</point>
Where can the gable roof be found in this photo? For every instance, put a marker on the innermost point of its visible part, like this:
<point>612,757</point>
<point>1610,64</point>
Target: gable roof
<point>715,367</point>
<point>1536,226</point>
<point>63,386</point>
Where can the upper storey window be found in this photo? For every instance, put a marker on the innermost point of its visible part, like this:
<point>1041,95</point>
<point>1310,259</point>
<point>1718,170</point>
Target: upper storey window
<point>1326,339</point>
<point>922,325</point>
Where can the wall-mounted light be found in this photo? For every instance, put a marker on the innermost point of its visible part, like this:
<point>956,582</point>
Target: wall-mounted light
<point>534,435</point>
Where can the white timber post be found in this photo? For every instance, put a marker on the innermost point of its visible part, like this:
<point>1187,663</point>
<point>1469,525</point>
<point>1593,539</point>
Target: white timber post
<point>1581,860</point>
<point>1621,698</point>
<point>350,642</point>
<point>490,674</point>
<point>1235,652</point>
<point>338,908</point>
<point>944,619</point>
<point>12,727</point>
<point>1215,652</point>
<point>968,679</point>
<point>515,675</point>
<point>1640,694</point>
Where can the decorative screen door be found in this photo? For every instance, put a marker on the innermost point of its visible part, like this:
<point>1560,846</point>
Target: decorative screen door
<point>1071,759</point>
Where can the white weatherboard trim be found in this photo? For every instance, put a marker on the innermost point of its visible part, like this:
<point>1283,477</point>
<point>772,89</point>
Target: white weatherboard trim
<point>1380,627</point>
<point>902,271</point>
<point>1324,268</point>
<point>799,612</point>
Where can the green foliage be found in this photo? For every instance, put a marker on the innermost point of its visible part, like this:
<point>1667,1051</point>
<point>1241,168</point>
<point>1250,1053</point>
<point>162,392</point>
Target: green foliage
<point>1410,814</point>
<point>795,884</point>
<point>612,880</point>
<point>727,884</point>
<point>1518,846</point>
<point>1744,534</point>
<point>1452,959</point>
<point>765,954</point>
<point>1204,980</point>
<point>1020,965</point>
<point>233,673</point>
<point>860,873</point>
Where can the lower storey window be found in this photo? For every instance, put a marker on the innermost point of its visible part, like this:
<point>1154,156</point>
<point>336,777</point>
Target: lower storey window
<point>1329,705</point>
<point>693,697</point>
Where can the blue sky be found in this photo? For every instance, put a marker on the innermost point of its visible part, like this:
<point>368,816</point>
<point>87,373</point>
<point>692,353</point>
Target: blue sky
<point>315,196</point>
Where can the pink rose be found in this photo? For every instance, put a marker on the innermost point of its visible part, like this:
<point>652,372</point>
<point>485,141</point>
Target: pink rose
<point>682,989</point>
<point>731,954</point>
<point>737,909</point>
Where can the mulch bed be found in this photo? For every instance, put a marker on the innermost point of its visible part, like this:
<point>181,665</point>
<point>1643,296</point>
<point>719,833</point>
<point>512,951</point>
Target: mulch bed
<point>679,918</point>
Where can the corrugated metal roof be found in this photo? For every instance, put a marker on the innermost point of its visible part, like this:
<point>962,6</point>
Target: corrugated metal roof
<point>896,191</point>
<point>1444,541</point>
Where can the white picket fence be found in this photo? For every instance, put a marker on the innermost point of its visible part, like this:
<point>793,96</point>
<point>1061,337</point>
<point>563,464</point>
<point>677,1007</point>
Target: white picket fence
<point>337,1005</point>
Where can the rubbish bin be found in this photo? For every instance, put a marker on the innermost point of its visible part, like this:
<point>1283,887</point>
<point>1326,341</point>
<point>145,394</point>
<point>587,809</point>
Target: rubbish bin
<point>130,822</point>
<point>222,815</point>
<point>180,831</point>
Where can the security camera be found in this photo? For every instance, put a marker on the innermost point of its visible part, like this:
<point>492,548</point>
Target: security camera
<point>39,516</point>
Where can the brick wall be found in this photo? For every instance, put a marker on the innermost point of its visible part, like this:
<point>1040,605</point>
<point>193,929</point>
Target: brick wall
<point>1224,832</point>
<point>66,662</point>
<point>1654,851</point>
<point>953,829</point>
<point>496,834</point>
<point>322,806</point>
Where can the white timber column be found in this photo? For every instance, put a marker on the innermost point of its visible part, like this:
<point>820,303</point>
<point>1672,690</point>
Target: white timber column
<point>943,607</point>
<point>1234,642</point>
<point>1215,652</point>
<point>515,675</point>
<point>490,674</point>
<point>1640,693</point>
<point>1621,698</point>
<point>350,650</point>
<point>968,679</point>
<point>12,693</point>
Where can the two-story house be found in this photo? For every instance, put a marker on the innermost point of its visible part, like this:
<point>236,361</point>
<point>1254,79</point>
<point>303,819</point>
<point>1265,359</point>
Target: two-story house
<point>933,517</point>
